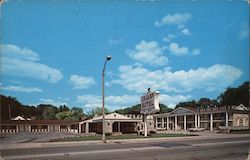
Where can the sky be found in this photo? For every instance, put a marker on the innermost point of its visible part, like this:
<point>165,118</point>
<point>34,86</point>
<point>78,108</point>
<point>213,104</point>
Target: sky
<point>53,52</point>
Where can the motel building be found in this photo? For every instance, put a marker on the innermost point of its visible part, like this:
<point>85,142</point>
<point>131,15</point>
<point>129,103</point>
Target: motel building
<point>212,119</point>
<point>203,119</point>
<point>116,124</point>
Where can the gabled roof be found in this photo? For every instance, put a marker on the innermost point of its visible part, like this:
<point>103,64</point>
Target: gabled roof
<point>181,111</point>
<point>241,107</point>
<point>18,118</point>
<point>112,117</point>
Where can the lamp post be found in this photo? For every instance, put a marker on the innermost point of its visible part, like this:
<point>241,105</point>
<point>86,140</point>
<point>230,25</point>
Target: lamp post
<point>103,114</point>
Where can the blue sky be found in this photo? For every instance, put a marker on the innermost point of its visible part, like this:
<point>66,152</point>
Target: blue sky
<point>54,51</point>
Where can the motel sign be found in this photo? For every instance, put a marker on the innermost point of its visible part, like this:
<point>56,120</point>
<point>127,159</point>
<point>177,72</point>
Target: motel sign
<point>150,103</point>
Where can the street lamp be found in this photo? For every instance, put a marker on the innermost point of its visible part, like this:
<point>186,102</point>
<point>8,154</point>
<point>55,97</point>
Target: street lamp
<point>103,114</point>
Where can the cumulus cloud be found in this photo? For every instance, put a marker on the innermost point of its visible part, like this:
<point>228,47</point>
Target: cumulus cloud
<point>185,31</point>
<point>177,50</point>
<point>148,53</point>
<point>25,63</point>
<point>169,37</point>
<point>112,102</point>
<point>171,101</point>
<point>21,89</point>
<point>216,77</point>
<point>81,82</point>
<point>117,102</point>
<point>176,19</point>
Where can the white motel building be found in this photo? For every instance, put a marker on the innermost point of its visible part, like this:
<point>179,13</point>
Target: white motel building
<point>212,119</point>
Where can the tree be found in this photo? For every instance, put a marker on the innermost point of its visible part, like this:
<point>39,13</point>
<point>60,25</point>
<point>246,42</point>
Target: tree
<point>98,111</point>
<point>235,96</point>
<point>206,102</point>
<point>73,114</point>
<point>189,104</point>
<point>164,108</point>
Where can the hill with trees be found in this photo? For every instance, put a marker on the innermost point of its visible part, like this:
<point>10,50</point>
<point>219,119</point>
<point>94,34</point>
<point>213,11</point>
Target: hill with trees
<point>11,108</point>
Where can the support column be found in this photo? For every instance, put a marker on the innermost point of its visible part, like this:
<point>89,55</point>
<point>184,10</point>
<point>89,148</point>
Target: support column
<point>185,122</point>
<point>167,123</point>
<point>175,122</point>
<point>69,127</point>
<point>48,128</point>
<point>199,121</point>
<point>30,128</point>
<point>195,120</point>
<point>156,123</point>
<point>59,127</point>
<point>87,127</point>
<point>145,126</point>
<point>17,128</point>
<point>119,126</point>
<point>79,128</point>
<point>211,121</point>
<point>226,119</point>
<point>162,122</point>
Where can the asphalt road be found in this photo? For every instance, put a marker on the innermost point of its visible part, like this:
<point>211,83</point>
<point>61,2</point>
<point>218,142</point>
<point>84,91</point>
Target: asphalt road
<point>188,149</point>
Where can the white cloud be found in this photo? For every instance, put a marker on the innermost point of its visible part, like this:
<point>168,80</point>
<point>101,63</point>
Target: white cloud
<point>185,31</point>
<point>52,102</point>
<point>244,31</point>
<point>177,50</point>
<point>148,53</point>
<point>117,102</point>
<point>111,102</point>
<point>24,62</point>
<point>169,37</point>
<point>171,101</point>
<point>177,19</point>
<point>17,52</point>
<point>81,82</point>
<point>216,77</point>
<point>22,89</point>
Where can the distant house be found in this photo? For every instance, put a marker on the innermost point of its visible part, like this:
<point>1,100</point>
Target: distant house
<point>18,118</point>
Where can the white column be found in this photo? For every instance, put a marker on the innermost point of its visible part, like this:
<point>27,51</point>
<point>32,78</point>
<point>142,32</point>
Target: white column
<point>162,122</point>
<point>119,126</point>
<point>69,127</point>
<point>156,123</point>
<point>145,126</point>
<point>17,128</point>
<point>199,121</point>
<point>59,127</point>
<point>185,122</point>
<point>87,127</point>
<point>29,128</point>
<point>167,123</point>
<point>226,119</point>
<point>211,121</point>
<point>48,128</point>
<point>195,120</point>
<point>79,128</point>
<point>175,122</point>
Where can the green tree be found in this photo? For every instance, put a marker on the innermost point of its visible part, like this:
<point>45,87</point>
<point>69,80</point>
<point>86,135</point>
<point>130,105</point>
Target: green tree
<point>206,102</point>
<point>97,112</point>
<point>188,104</point>
<point>236,96</point>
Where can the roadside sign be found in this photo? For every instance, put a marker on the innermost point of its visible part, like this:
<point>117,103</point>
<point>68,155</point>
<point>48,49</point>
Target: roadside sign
<point>150,103</point>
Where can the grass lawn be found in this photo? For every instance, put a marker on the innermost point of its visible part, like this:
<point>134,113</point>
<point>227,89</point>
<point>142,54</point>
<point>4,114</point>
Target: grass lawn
<point>125,136</point>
